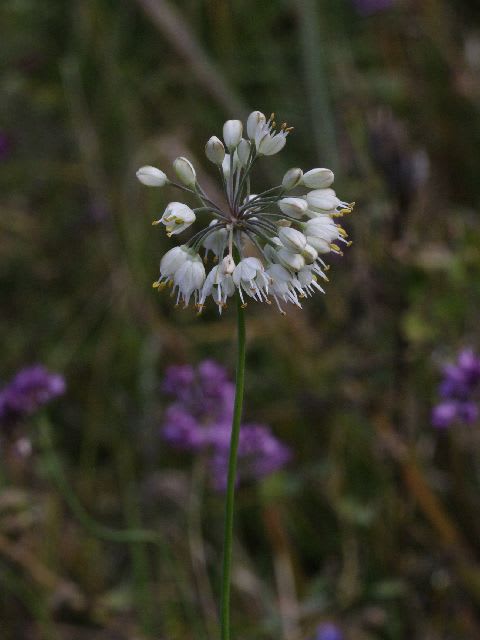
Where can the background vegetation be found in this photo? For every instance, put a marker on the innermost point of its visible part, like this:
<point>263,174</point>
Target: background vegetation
<point>374,524</point>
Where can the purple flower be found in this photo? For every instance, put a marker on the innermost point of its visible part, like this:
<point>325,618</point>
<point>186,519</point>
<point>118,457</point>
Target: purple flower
<point>329,631</point>
<point>444,414</point>
<point>200,419</point>
<point>259,454</point>
<point>368,7</point>
<point>29,390</point>
<point>458,390</point>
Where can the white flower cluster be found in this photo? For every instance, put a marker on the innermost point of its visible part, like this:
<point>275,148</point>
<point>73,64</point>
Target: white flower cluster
<point>287,234</point>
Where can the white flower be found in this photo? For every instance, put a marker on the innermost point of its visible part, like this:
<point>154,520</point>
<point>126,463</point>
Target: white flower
<point>171,263</point>
<point>152,177</point>
<point>228,265</point>
<point>309,253</point>
<point>185,171</point>
<point>292,239</point>
<point>282,285</point>
<point>215,241</point>
<point>294,207</point>
<point>249,276</point>
<point>324,200</point>
<point>219,284</point>
<point>177,217</point>
<point>255,121</point>
<point>321,232</point>
<point>308,281</point>
<point>189,279</point>
<point>232,134</point>
<point>290,260</point>
<point>214,150</point>
<point>243,152</point>
<point>288,235</point>
<point>292,178</point>
<point>269,141</point>
<point>318,178</point>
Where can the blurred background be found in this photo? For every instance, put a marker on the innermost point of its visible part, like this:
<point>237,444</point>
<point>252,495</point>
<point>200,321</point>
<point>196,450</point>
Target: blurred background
<point>371,531</point>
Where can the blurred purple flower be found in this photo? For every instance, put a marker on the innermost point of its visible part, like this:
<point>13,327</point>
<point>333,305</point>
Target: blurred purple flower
<point>200,419</point>
<point>458,390</point>
<point>259,454</point>
<point>368,7</point>
<point>329,631</point>
<point>27,392</point>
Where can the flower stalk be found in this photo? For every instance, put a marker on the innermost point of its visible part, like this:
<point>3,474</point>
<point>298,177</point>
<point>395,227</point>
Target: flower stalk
<point>232,473</point>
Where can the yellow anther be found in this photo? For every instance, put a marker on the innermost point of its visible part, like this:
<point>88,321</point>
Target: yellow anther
<point>155,222</point>
<point>272,116</point>
<point>326,268</point>
<point>244,305</point>
<point>156,284</point>
<point>288,129</point>
<point>335,247</point>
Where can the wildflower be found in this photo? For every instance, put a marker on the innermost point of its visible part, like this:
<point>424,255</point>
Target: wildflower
<point>318,178</point>
<point>185,171</point>
<point>176,218</point>
<point>254,231</point>
<point>291,179</point>
<point>152,177</point>
<point>214,150</point>
<point>199,419</point>
<point>29,390</point>
<point>232,134</point>
<point>459,392</point>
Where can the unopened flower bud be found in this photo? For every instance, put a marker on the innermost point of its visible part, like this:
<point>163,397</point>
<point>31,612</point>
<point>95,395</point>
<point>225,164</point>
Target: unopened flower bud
<point>323,199</point>
<point>309,253</point>
<point>243,152</point>
<point>290,260</point>
<point>294,207</point>
<point>292,239</point>
<point>232,133</point>
<point>214,150</point>
<point>152,177</point>
<point>318,178</point>
<point>292,178</point>
<point>228,265</point>
<point>185,171</point>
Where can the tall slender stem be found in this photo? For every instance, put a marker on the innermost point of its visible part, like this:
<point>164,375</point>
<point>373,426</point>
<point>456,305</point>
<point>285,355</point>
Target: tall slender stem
<point>232,473</point>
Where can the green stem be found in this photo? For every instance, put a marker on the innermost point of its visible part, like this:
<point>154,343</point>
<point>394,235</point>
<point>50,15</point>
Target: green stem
<point>232,473</point>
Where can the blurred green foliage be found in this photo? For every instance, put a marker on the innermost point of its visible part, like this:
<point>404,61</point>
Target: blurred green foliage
<point>375,522</point>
